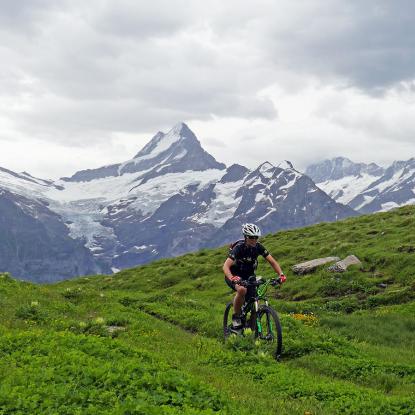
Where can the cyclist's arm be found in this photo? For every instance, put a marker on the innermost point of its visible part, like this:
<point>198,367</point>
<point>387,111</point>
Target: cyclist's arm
<point>227,267</point>
<point>274,264</point>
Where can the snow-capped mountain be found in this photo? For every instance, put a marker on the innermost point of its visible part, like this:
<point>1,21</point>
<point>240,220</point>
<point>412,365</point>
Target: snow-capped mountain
<point>280,197</point>
<point>396,187</point>
<point>366,188</point>
<point>171,198</point>
<point>177,151</point>
<point>342,179</point>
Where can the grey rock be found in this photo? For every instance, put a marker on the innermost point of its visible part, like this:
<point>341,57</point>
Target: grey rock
<point>310,266</point>
<point>341,266</point>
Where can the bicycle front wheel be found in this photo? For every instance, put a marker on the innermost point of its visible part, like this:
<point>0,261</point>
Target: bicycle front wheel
<point>227,320</point>
<point>269,329</point>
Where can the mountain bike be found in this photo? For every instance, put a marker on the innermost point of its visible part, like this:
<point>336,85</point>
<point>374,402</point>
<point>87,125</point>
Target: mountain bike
<point>260,318</point>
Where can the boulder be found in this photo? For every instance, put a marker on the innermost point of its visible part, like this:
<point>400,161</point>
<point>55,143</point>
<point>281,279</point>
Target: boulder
<point>310,266</point>
<point>342,265</point>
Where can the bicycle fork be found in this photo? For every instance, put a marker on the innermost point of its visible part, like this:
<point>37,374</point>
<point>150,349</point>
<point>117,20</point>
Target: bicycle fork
<point>259,325</point>
<point>258,322</point>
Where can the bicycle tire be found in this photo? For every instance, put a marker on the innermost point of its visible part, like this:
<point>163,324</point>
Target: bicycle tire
<point>272,321</point>
<point>227,320</point>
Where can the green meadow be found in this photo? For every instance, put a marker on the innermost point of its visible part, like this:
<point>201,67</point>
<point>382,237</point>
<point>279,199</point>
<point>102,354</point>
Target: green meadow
<point>148,340</point>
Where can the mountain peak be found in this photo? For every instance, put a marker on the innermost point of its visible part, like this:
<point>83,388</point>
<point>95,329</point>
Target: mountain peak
<point>285,164</point>
<point>162,142</point>
<point>181,128</point>
<point>264,167</point>
<point>340,167</point>
<point>176,151</point>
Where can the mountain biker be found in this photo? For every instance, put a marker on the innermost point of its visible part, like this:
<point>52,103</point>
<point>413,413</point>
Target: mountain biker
<point>242,263</point>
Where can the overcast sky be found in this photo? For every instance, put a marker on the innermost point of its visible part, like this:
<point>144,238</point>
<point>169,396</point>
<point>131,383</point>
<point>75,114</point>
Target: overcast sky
<point>85,84</point>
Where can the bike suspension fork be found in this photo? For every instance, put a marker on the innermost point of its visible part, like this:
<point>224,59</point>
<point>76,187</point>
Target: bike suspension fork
<point>258,322</point>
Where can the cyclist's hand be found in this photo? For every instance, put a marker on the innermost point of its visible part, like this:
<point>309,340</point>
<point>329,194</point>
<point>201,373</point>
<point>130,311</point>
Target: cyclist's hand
<point>235,279</point>
<point>282,279</point>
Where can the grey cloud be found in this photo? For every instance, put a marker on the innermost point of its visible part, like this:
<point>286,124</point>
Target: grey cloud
<point>366,44</point>
<point>214,142</point>
<point>104,72</point>
<point>97,67</point>
<point>132,19</point>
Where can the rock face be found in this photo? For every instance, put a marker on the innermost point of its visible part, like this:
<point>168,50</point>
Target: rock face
<point>35,244</point>
<point>171,198</point>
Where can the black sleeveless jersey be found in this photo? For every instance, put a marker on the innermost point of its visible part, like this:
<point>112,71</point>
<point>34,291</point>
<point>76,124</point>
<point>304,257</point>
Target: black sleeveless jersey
<point>246,259</point>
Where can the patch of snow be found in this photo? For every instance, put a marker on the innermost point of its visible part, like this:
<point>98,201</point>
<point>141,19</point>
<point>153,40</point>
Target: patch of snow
<point>260,196</point>
<point>141,247</point>
<point>267,169</point>
<point>347,188</point>
<point>366,200</point>
<point>388,206</point>
<point>293,179</point>
<point>285,164</point>
<point>166,141</point>
<point>223,207</point>
<point>22,186</point>
<point>271,210</point>
<point>388,183</point>
<point>180,155</point>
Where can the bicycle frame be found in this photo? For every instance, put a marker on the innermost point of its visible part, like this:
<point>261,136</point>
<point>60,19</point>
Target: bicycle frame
<point>260,295</point>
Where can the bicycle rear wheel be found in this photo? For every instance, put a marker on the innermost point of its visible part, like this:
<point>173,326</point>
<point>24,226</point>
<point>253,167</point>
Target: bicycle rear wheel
<point>227,320</point>
<point>269,329</point>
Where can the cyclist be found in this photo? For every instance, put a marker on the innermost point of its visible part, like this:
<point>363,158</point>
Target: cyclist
<point>242,263</point>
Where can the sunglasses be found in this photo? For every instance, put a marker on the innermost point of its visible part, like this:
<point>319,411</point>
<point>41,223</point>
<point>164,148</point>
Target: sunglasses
<point>252,237</point>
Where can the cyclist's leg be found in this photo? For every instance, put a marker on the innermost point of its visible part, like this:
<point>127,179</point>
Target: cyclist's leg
<point>239,298</point>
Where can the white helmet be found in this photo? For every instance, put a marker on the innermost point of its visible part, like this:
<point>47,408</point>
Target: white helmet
<point>249,229</point>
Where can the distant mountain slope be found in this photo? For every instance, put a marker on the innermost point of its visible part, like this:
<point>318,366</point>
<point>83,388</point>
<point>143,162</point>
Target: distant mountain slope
<point>342,179</point>
<point>35,243</point>
<point>366,188</point>
<point>396,187</point>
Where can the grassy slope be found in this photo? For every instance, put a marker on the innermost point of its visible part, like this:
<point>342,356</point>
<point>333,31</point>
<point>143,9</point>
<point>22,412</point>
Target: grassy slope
<point>354,354</point>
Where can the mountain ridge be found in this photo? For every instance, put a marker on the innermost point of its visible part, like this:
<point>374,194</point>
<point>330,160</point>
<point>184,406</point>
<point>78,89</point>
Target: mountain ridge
<point>174,197</point>
<point>366,188</point>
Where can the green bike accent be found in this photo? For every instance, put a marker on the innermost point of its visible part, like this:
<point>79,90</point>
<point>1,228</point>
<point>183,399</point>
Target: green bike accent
<point>259,326</point>
<point>262,290</point>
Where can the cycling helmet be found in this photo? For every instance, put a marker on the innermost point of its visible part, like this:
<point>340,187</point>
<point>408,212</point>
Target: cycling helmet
<point>250,229</point>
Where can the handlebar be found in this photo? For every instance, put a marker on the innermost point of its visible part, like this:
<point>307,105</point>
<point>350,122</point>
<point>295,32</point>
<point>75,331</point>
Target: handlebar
<point>253,282</point>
